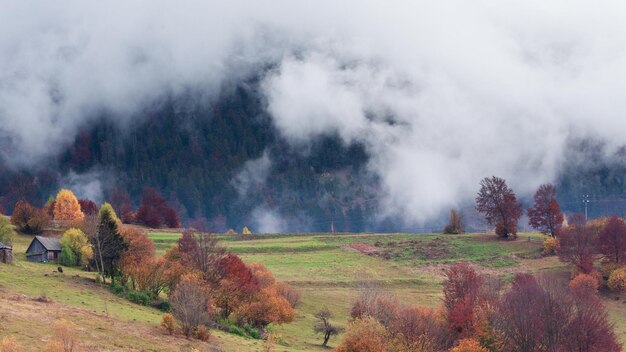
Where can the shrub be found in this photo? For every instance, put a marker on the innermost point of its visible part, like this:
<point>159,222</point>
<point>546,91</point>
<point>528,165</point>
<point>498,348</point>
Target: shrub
<point>550,246</point>
<point>6,231</point>
<point>162,305</point>
<point>202,333</point>
<point>364,335</point>
<point>617,280</point>
<point>468,345</point>
<point>117,289</point>
<point>169,323</point>
<point>607,268</point>
<point>190,304</point>
<point>10,344</point>
<point>54,346</point>
<point>65,333</point>
<point>455,223</point>
<point>291,294</point>
<point>584,282</point>
<point>138,297</point>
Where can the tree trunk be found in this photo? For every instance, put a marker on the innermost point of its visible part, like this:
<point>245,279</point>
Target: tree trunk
<point>326,338</point>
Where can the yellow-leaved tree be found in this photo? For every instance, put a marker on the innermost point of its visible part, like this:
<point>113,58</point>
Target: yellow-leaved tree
<point>67,208</point>
<point>75,248</point>
<point>246,231</point>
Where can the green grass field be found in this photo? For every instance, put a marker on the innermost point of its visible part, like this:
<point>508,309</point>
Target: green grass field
<point>326,269</point>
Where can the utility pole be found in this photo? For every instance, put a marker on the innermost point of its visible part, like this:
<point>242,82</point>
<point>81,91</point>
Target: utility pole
<point>586,202</point>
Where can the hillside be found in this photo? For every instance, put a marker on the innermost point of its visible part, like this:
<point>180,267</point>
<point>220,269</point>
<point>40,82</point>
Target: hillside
<point>221,158</point>
<point>327,268</point>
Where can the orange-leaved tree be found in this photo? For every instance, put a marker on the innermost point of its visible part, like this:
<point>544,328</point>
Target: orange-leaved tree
<point>67,207</point>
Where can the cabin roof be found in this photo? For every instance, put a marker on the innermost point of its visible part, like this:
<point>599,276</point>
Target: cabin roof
<point>49,243</point>
<point>5,246</point>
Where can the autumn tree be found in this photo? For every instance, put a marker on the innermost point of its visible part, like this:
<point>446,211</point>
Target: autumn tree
<point>546,215</point>
<point>154,211</point>
<point>455,223</point>
<point>418,329</point>
<point>588,327</point>
<point>67,208</point>
<point>577,244</point>
<point>73,245</point>
<point>28,219</point>
<point>237,285</point>
<point>468,345</point>
<point>136,262</point>
<point>265,307</point>
<point>497,202</point>
<point>190,304</point>
<point>612,240</point>
<point>324,326</point>
<point>461,291</point>
<point>364,335</point>
<point>108,244</point>
<point>88,207</point>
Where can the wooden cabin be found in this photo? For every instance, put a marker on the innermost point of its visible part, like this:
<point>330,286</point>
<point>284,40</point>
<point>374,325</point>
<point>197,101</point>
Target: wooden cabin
<point>6,253</point>
<point>44,249</point>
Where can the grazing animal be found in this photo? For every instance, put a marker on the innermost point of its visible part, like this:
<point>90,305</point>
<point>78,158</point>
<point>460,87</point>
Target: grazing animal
<point>59,269</point>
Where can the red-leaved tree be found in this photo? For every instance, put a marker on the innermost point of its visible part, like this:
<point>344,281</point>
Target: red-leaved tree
<point>88,207</point>
<point>546,215</point>
<point>612,240</point>
<point>461,292</point>
<point>154,210</point>
<point>497,202</point>
<point>577,245</point>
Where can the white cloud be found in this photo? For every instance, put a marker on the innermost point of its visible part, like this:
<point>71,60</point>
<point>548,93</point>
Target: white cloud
<point>473,88</point>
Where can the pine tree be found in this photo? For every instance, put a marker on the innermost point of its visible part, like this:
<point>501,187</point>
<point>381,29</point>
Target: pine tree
<point>109,244</point>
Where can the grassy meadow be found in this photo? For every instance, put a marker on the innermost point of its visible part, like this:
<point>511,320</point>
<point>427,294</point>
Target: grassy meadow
<point>326,268</point>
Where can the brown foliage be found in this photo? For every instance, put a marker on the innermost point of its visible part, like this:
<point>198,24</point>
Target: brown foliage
<point>617,280</point>
<point>468,345</point>
<point>65,333</point>
<point>138,261</point>
<point>364,335</point>
<point>543,315</point>
<point>461,299</point>
<point>417,329</point>
<point>29,219</point>
<point>584,282</point>
<point>264,308</point>
<point>88,207</point>
<point>497,202</point>
<point>455,223</point>
<point>169,323</point>
<point>154,211</point>
<point>546,215</point>
<point>291,294</point>
<point>190,303</point>
<point>10,344</point>
<point>202,333</point>
<point>577,246</point>
<point>612,240</point>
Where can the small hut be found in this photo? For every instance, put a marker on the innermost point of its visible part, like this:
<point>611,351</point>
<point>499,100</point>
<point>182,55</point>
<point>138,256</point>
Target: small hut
<point>44,249</point>
<point>6,253</point>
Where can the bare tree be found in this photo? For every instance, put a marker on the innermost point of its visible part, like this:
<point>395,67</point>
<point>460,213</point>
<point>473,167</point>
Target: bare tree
<point>324,326</point>
<point>190,304</point>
